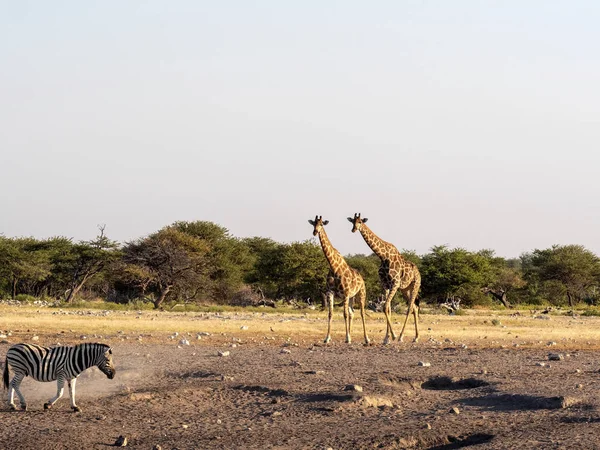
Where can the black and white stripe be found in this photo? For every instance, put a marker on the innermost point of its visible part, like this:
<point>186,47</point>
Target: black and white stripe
<point>61,363</point>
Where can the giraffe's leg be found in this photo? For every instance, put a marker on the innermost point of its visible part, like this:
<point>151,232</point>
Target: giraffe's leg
<point>416,316</point>
<point>363,299</point>
<point>14,388</point>
<point>71,384</point>
<point>329,300</point>
<point>60,389</point>
<point>388,315</point>
<point>347,319</point>
<point>350,316</point>
<point>410,294</point>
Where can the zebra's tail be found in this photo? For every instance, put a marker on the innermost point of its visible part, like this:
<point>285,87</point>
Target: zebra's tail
<point>5,376</point>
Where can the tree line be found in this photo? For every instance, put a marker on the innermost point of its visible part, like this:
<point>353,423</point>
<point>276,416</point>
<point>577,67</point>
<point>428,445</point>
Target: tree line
<point>201,262</point>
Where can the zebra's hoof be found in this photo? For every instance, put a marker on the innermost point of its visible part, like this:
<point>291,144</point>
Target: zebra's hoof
<point>13,407</point>
<point>23,407</point>
<point>76,409</point>
<point>47,405</point>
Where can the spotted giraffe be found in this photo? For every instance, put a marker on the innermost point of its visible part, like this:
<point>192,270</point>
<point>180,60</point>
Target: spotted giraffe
<point>395,273</point>
<point>343,281</point>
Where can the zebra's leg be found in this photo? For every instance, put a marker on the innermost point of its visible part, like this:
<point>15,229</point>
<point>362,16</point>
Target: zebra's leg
<point>60,389</point>
<point>14,387</point>
<point>71,384</point>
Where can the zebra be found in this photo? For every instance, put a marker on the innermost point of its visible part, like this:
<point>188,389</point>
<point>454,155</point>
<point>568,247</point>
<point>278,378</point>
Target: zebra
<point>61,363</point>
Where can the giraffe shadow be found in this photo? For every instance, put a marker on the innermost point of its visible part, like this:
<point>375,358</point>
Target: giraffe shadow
<point>443,383</point>
<point>519,402</point>
<point>464,441</point>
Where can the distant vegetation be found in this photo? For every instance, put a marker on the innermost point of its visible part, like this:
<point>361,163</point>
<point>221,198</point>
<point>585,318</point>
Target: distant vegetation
<point>202,263</point>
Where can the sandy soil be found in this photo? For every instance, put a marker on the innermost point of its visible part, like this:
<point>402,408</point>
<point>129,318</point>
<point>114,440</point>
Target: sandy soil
<point>289,392</point>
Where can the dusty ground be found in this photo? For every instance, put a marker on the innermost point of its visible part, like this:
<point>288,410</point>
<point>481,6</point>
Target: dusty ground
<point>285,390</point>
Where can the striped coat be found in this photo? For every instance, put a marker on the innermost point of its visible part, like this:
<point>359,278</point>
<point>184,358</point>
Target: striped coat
<point>62,363</point>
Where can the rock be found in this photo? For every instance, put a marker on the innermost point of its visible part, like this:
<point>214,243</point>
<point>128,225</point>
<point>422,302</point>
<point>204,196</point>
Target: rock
<point>556,356</point>
<point>428,426</point>
<point>121,442</point>
<point>225,353</point>
<point>157,447</point>
<point>579,386</point>
<point>551,344</point>
<point>285,350</point>
<point>184,342</point>
<point>353,387</point>
<point>424,364</point>
<point>540,364</point>
<point>244,327</point>
<point>455,410</point>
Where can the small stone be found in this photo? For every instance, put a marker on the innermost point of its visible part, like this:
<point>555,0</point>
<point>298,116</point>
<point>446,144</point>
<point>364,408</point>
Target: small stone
<point>455,410</point>
<point>424,364</point>
<point>244,327</point>
<point>556,356</point>
<point>157,447</point>
<point>226,378</point>
<point>184,426</point>
<point>184,342</point>
<point>551,344</point>
<point>540,364</point>
<point>577,370</point>
<point>285,350</point>
<point>428,426</point>
<point>484,372</point>
<point>225,353</point>
<point>276,414</point>
<point>218,421</point>
<point>353,387</point>
<point>121,442</point>
<point>579,386</point>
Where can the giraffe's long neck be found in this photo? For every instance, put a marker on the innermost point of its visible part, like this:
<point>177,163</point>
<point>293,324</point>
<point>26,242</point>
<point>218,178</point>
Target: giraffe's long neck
<point>378,245</point>
<point>333,256</point>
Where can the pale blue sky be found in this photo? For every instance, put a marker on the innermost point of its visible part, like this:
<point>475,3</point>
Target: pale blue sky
<point>468,123</point>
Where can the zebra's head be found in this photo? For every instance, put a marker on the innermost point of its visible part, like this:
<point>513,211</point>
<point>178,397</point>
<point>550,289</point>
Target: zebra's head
<point>106,365</point>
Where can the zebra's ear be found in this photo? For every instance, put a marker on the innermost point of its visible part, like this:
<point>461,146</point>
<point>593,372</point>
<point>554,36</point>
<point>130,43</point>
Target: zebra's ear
<point>110,351</point>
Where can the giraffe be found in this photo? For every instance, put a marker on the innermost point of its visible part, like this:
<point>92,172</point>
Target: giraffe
<point>395,273</point>
<point>343,281</point>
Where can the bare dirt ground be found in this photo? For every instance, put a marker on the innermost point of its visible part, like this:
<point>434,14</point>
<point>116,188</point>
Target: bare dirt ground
<point>281,389</point>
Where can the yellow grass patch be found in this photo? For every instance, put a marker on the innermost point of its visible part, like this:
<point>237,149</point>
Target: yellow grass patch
<point>475,328</point>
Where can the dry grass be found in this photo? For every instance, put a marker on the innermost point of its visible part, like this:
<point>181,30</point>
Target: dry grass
<point>475,328</point>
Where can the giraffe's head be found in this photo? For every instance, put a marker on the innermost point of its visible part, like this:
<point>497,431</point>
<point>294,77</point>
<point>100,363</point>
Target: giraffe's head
<point>318,224</point>
<point>356,222</point>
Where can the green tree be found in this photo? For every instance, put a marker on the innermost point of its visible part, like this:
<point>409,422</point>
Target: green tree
<point>454,274</point>
<point>86,260</point>
<point>229,258</point>
<point>166,263</point>
<point>23,263</point>
<point>503,277</point>
<point>573,267</point>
